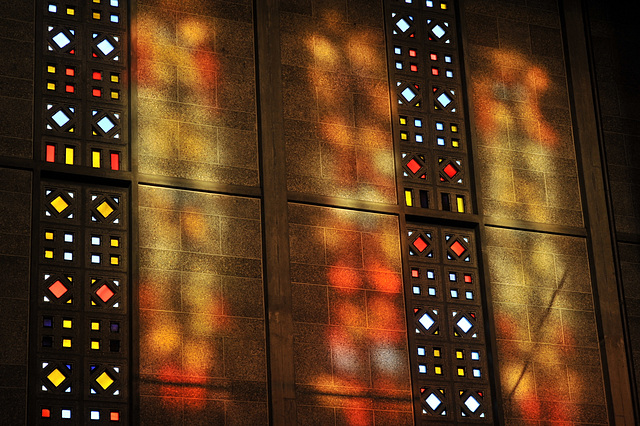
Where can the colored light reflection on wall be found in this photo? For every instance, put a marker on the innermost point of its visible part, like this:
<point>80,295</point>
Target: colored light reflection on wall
<point>549,361</point>
<point>352,267</point>
<point>336,104</point>
<point>525,145</point>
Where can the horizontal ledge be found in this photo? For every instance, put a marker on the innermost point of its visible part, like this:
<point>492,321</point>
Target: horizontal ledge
<point>358,205</point>
<point>522,225</point>
<point>201,186</point>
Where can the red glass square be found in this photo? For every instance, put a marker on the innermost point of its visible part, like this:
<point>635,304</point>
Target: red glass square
<point>413,53</point>
<point>51,154</point>
<point>104,293</point>
<point>435,71</point>
<point>97,75</point>
<point>413,166</point>
<point>415,273</point>
<point>70,72</point>
<point>433,57</point>
<point>467,278</point>
<point>57,289</point>
<point>420,244</point>
<point>97,93</point>
<point>46,413</point>
<point>114,416</point>
<point>414,68</point>
<point>69,88</point>
<point>458,248</point>
<point>450,171</point>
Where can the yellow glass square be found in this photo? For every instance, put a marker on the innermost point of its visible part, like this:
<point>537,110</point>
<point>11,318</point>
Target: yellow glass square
<point>71,11</point>
<point>436,353</point>
<point>454,128</point>
<point>95,325</point>
<point>66,343</point>
<point>403,121</point>
<point>403,136</point>
<point>59,204</point>
<point>461,372</point>
<point>67,323</point>
<point>56,377</point>
<point>460,205</point>
<point>459,355</point>
<point>115,242</point>
<point>115,260</point>
<point>455,143</point>
<point>115,95</point>
<point>115,78</point>
<point>95,345</point>
<point>48,254</point>
<point>438,370</point>
<point>51,69</point>
<point>104,209</point>
<point>408,197</point>
<point>104,380</point>
<point>443,6</point>
<point>96,1</point>
<point>48,235</point>
<point>96,15</point>
<point>51,86</point>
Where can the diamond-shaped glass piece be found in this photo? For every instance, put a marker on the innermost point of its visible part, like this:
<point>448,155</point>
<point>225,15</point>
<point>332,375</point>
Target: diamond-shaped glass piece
<point>59,204</point>
<point>426,321</point>
<point>420,244</point>
<point>438,31</point>
<point>472,404</point>
<point>60,118</point>
<point>105,47</point>
<point>104,380</point>
<point>457,248</point>
<point>104,209</point>
<point>104,293</point>
<point>106,124</point>
<point>57,289</point>
<point>56,377</point>
<point>444,99</point>
<point>450,171</point>
<point>403,25</point>
<point>433,401</point>
<point>408,94</point>
<point>464,324</point>
<point>61,40</point>
<point>413,165</point>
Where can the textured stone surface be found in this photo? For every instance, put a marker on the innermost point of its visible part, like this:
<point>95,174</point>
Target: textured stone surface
<point>527,164</point>
<point>202,331</point>
<point>196,87</point>
<point>336,100</point>
<point>547,340</point>
<point>350,349</point>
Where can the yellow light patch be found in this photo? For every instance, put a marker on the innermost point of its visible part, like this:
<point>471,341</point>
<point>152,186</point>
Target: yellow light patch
<point>67,323</point>
<point>104,380</point>
<point>95,325</point>
<point>408,197</point>
<point>115,242</point>
<point>95,345</point>
<point>436,353</point>
<point>51,86</point>
<point>51,69</point>
<point>438,370</point>
<point>71,11</point>
<point>95,159</point>
<point>48,235</point>
<point>48,254</point>
<point>115,78</point>
<point>68,155</point>
<point>59,204</point>
<point>66,343</point>
<point>56,377</point>
<point>461,372</point>
<point>115,260</point>
<point>96,15</point>
<point>104,209</point>
<point>459,355</point>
